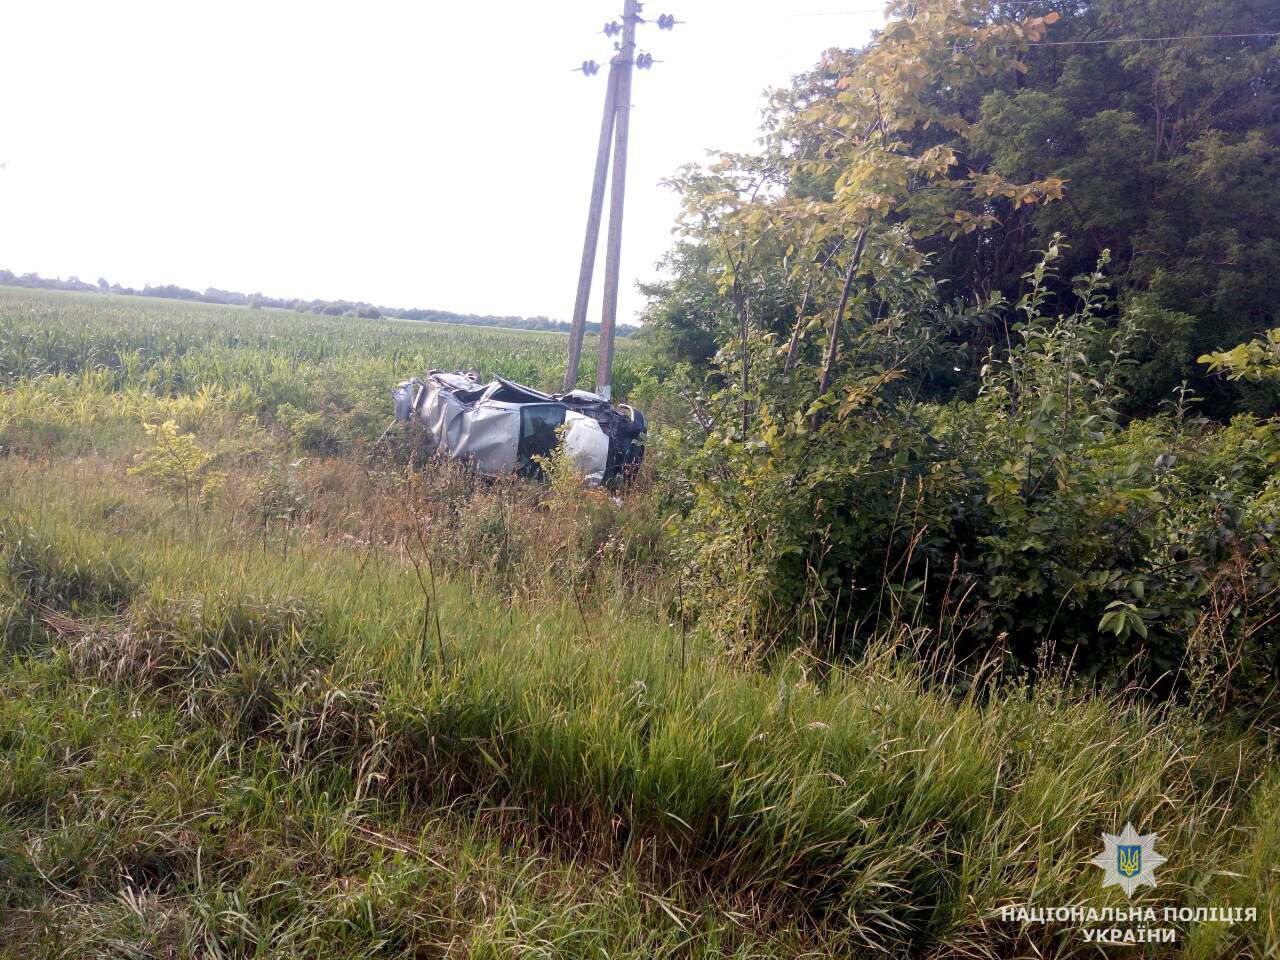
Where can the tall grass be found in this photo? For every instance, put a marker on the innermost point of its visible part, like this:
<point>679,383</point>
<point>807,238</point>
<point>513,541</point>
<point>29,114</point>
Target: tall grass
<point>864,808</point>
<point>129,832</point>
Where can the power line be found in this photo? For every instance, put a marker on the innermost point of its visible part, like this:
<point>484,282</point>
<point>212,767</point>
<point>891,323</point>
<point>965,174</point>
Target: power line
<point>1197,36</point>
<point>845,13</point>
<point>837,13</point>
<point>1072,43</point>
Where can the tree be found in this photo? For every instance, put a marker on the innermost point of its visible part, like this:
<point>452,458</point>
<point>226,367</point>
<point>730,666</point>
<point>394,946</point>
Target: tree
<point>1171,154</point>
<point>1168,153</point>
<point>812,247</point>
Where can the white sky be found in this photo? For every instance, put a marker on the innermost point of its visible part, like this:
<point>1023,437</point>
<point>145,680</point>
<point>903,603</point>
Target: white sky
<point>408,154</point>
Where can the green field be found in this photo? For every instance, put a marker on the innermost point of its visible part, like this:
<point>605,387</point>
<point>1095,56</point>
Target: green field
<point>74,364</point>
<point>315,702</point>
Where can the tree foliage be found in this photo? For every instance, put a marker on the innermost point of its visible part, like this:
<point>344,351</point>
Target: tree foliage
<point>1170,150</point>
<point>1164,152</point>
<point>920,408</point>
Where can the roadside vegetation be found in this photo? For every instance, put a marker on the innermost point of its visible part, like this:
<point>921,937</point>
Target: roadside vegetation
<point>329,308</point>
<point>361,705</point>
<point>215,745</point>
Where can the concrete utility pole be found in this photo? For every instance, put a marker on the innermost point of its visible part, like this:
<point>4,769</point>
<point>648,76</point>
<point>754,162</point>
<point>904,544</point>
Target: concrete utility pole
<point>615,124</point>
<point>617,195</point>
<point>592,240</point>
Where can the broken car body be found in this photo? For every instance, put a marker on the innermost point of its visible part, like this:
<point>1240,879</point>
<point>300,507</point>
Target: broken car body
<point>500,427</point>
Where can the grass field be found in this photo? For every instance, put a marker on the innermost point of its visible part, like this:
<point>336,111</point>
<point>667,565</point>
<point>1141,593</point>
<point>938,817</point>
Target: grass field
<point>77,366</point>
<point>334,707</point>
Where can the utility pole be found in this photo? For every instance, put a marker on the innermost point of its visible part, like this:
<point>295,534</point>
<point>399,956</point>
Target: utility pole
<point>592,240</point>
<point>617,195</point>
<point>614,124</point>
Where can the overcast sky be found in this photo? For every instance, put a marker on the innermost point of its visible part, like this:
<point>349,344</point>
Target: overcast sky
<point>408,154</point>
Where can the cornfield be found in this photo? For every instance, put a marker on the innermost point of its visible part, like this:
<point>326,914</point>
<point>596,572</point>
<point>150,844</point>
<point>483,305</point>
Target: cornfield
<point>86,359</point>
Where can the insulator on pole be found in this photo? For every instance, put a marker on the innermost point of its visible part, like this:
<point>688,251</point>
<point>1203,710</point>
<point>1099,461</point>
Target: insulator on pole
<point>612,28</point>
<point>667,21</point>
<point>589,68</point>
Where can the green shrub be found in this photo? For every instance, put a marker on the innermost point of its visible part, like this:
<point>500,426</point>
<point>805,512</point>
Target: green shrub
<point>1032,520</point>
<point>310,431</point>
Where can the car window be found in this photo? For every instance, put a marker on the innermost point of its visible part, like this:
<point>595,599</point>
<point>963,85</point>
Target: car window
<point>538,437</point>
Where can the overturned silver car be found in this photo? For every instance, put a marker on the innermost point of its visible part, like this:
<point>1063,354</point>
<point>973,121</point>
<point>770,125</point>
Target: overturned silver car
<point>501,427</point>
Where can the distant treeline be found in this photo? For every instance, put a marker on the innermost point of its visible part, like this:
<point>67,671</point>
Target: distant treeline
<point>331,308</point>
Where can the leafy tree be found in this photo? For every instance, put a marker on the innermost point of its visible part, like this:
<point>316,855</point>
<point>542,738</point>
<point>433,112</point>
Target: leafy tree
<point>811,246</point>
<point>686,315</point>
<point>838,470</point>
<point>1167,151</point>
<point>1170,150</point>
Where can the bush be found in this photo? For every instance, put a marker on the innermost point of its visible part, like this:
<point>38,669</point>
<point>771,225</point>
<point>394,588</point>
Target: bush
<point>1031,521</point>
<point>177,462</point>
<point>310,431</point>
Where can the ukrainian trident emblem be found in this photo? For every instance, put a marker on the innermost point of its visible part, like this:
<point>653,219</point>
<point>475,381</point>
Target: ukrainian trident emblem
<point>1129,859</point>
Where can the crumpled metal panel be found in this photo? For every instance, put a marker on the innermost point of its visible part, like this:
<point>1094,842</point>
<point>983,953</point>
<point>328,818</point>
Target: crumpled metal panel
<point>403,396</point>
<point>587,446</point>
<point>487,435</point>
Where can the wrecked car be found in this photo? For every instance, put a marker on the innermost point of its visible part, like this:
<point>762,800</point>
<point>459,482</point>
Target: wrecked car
<point>501,427</point>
